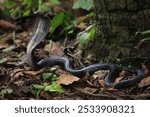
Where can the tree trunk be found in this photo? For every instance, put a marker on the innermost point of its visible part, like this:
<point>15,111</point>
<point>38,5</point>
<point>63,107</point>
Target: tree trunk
<point>117,21</point>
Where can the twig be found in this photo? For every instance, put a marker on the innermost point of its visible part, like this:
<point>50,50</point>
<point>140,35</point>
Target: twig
<point>125,96</point>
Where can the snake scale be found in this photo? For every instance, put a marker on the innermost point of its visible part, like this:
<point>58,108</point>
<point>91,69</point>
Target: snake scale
<point>42,26</point>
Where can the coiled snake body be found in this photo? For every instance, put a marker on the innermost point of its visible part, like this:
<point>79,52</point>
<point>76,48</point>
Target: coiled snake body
<point>42,28</point>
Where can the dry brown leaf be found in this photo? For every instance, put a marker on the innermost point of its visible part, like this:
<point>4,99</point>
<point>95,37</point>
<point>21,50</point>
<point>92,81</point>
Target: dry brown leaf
<point>101,74</point>
<point>123,73</point>
<point>118,79</point>
<point>5,41</point>
<point>145,95</point>
<point>67,79</point>
<point>3,44</point>
<point>109,90</point>
<point>46,95</point>
<point>7,26</point>
<point>87,90</point>
<point>102,83</point>
<point>145,68</point>
<point>144,82</point>
<point>19,83</point>
<point>54,49</point>
<point>34,73</point>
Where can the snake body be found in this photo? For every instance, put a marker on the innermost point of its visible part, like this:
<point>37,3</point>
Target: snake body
<point>41,30</point>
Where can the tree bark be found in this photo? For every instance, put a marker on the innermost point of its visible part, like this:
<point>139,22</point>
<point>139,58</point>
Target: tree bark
<point>117,21</point>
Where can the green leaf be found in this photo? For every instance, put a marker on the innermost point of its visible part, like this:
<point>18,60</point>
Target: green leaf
<point>44,7</point>
<point>84,4</point>
<point>57,21</point>
<point>11,3</point>
<point>15,11</point>
<point>143,33</point>
<point>37,86</point>
<point>54,87</point>
<point>86,36</point>
<point>54,2</point>
<point>10,48</point>
<point>26,12</point>
<point>6,12</point>
<point>38,93</point>
<point>27,1</point>
<point>47,76</point>
<point>92,34</point>
<point>6,91</point>
<point>3,60</point>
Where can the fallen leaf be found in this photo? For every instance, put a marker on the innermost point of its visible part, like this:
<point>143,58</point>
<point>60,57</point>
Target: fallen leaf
<point>46,95</point>
<point>87,90</point>
<point>33,73</point>
<point>3,44</point>
<point>67,79</point>
<point>7,26</point>
<point>145,95</point>
<point>118,79</point>
<point>6,40</point>
<point>144,82</point>
<point>145,69</point>
<point>102,83</point>
<point>54,49</point>
<point>19,83</point>
<point>123,73</point>
<point>101,74</point>
<point>4,60</point>
<point>109,90</point>
<point>90,90</point>
<point>97,78</point>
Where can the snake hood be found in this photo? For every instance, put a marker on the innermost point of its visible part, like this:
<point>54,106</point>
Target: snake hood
<point>40,30</point>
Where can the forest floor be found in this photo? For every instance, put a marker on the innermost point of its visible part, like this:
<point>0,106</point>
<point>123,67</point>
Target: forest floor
<point>18,81</point>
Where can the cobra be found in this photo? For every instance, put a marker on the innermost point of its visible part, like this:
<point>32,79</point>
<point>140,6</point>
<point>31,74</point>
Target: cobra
<point>42,28</point>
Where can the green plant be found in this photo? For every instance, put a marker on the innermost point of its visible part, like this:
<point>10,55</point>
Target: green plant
<point>20,8</point>
<point>47,76</point>
<point>8,49</point>
<point>57,21</point>
<point>144,37</point>
<point>5,91</point>
<point>84,4</point>
<point>86,36</point>
<point>53,87</point>
<point>65,20</point>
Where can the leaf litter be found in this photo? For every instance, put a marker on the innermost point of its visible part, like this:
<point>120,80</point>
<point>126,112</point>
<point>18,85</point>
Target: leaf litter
<point>17,80</point>
<point>21,79</point>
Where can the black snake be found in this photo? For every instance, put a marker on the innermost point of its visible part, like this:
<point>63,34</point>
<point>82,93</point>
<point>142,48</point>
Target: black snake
<point>42,28</point>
